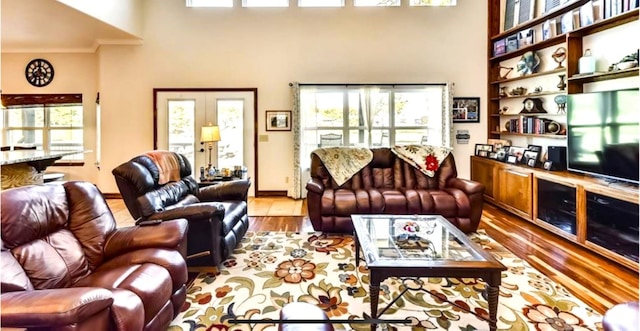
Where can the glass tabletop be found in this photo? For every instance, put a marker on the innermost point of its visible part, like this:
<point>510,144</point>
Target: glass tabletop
<point>414,239</point>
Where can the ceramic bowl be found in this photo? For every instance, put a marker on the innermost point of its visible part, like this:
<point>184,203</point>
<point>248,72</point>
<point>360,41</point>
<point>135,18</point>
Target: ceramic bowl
<point>626,65</point>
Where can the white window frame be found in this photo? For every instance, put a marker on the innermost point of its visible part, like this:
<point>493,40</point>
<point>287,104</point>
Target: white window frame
<point>210,3</point>
<point>320,3</point>
<point>265,3</point>
<point>381,3</point>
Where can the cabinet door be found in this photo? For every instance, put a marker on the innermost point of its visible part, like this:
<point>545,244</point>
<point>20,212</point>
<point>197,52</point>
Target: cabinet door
<point>482,171</point>
<point>514,190</point>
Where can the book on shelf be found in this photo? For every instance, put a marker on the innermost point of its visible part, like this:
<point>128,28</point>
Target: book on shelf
<point>526,37</point>
<point>598,10</point>
<point>566,22</point>
<point>512,43</point>
<point>586,14</point>
<point>499,47</point>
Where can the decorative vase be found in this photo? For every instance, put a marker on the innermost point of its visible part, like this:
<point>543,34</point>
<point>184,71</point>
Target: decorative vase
<point>562,84</point>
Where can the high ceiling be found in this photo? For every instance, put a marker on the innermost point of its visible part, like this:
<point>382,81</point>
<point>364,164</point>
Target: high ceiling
<point>50,26</point>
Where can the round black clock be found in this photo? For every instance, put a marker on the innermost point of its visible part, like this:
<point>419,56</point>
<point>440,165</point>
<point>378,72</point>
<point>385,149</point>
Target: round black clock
<point>39,72</point>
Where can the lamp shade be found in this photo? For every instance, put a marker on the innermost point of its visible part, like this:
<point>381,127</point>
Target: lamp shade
<point>210,133</point>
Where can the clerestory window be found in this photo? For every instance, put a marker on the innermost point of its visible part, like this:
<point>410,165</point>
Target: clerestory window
<point>432,2</point>
<point>374,3</point>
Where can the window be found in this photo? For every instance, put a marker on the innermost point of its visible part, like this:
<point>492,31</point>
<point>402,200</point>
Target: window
<point>229,113</point>
<point>432,3</point>
<point>209,3</point>
<point>265,3</point>
<point>373,3</point>
<point>373,116</point>
<point>49,121</point>
<point>320,3</point>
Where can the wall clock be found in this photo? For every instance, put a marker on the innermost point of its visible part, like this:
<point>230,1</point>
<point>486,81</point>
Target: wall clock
<point>39,72</point>
<point>532,105</point>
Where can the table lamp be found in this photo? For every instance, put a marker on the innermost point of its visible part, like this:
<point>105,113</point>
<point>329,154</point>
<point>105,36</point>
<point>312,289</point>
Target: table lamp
<point>210,134</point>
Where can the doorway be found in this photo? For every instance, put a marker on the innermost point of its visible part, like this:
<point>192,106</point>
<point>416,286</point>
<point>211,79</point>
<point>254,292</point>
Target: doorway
<point>179,115</point>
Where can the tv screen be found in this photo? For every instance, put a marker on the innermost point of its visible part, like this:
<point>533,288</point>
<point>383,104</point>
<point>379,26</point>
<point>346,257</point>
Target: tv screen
<point>602,131</point>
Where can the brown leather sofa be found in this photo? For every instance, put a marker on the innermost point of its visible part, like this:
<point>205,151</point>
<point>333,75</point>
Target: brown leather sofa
<point>217,214</point>
<point>65,266</point>
<point>389,185</point>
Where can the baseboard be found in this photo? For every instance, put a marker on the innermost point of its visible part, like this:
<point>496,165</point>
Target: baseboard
<point>261,194</point>
<point>112,195</point>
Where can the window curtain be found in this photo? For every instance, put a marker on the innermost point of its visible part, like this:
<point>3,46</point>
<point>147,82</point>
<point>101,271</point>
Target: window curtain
<point>365,106</point>
<point>297,138</point>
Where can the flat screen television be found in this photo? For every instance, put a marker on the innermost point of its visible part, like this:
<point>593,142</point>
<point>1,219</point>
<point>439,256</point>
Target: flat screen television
<point>603,129</point>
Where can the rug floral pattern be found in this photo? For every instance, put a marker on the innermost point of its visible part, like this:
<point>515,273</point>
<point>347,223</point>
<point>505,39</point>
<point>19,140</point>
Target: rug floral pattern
<point>271,269</point>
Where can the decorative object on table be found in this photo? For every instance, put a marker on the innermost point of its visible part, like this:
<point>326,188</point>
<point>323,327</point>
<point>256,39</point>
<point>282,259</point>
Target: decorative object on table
<point>278,120</point>
<point>553,127</point>
<point>587,63</point>
<point>532,105</point>
<point>210,134</point>
<point>537,89</point>
<point>466,110</point>
<point>629,61</point>
<point>503,110</point>
<point>529,63</point>
<point>559,55</point>
<point>561,85</point>
<point>537,149</point>
<point>504,76</point>
<point>519,91</point>
<point>530,158</point>
<point>483,150</point>
<point>39,72</point>
<point>561,101</point>
<point>503,92</point>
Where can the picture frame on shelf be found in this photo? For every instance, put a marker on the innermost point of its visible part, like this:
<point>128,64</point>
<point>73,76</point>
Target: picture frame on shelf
<point>498,143</point>
<point>586,14</point>
<point>517,151</point>
<point>499,47</point>
<point>512,43</point>
<point>535,148</point>
<point>530,158</point>
<point>566,23</point>
<point>278,120</point>
<point>546,30</point>
<point>511,159</point>
<point>526,38</point>
<point>466,110</point>
<point>483,150</point>
<point>547,165</point>
<point>502,153</point>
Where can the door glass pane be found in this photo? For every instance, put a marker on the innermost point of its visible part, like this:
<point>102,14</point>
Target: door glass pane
<point>182,128</point>
<point>230,121</point>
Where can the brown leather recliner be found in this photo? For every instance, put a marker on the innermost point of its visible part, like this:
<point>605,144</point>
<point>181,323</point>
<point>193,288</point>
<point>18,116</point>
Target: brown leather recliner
<point>65,266</point>
<point>389,185</point>
<point>158,185</point>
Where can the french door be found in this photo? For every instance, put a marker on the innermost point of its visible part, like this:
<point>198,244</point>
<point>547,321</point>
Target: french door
<point>180,115</point>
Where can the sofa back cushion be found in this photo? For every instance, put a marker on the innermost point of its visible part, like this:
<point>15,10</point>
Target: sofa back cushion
<point>52,234</point>
<point>142,186</point>
<point>386,170</point>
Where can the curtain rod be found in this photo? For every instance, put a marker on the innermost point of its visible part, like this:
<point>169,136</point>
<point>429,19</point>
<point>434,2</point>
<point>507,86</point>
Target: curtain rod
<point>369,84</point>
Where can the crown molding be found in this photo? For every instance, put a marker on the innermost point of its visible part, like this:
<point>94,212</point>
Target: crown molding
<point>91,49</point>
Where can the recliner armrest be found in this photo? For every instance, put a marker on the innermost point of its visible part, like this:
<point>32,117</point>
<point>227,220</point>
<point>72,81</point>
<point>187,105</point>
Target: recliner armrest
<point>201,210</point>
<point>168,234</point>
<point>54,307</point>
<point>468,186</point>
<point>315,185</point>
<point>232,190</point>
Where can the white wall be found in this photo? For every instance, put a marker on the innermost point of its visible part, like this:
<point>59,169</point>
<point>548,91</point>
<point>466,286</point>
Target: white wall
<point>125,15</point>
<point>267,48</point>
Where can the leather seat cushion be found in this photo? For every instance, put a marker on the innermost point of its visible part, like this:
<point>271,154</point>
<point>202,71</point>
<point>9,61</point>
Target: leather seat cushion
<point>150,282</point>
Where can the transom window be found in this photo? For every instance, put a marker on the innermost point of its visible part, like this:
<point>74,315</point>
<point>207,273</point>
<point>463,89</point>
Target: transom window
<point>320,3</point>
<point>317,3</point>
<point>265,3</point>
<point>432,2</point>
<point>372,3</point>
<point>209,3</point>
<point>51,122</point>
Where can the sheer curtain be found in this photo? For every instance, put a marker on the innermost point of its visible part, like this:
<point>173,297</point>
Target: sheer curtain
<point>297,138</point>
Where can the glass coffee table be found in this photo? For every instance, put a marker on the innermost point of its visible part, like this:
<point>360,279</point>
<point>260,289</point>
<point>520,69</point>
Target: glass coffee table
<point>422,246</point>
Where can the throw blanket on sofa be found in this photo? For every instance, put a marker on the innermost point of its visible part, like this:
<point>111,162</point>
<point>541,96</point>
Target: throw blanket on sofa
<point>425,158</point>
<point>344,162</point>
<point>168,166</point>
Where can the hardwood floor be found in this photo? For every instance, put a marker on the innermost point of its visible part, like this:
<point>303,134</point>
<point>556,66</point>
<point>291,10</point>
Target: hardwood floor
<point>598,282</point>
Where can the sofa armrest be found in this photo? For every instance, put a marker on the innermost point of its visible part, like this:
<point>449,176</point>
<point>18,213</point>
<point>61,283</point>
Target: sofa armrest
<point>315,185</point>
<point>232,190</point>
<point>470,187</point>
<point>168,234</point>
<point>55,307</point>
<point>196,211</point>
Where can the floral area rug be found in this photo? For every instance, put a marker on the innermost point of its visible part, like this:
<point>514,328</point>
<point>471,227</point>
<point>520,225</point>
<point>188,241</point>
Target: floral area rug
<point>271,269</point>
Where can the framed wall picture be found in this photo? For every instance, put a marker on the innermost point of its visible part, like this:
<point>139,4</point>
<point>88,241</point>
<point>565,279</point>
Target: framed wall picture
<point>466,110</point>
<point>278,120</point>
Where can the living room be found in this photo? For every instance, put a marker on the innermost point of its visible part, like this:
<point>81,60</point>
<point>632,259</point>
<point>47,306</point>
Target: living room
<point>138,46</point>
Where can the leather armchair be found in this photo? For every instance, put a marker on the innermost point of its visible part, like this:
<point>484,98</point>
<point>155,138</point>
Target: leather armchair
<point>65,266</point>
<point>217,214</point>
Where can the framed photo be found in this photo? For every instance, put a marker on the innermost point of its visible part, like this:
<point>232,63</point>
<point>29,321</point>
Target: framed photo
<point>526,38</point>
<point>547,165</point>
<point>530,158</point>
<point>466,110</point>
<point>517,152</point>
<point>483,150</point>
<point>501,154</point>
<point>512,159</point>
<point>278,120</point>
<point>535,148</point>
<point>498,143</point>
